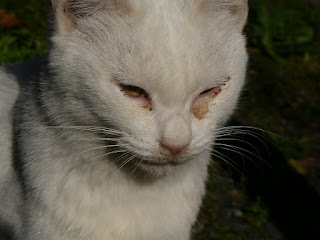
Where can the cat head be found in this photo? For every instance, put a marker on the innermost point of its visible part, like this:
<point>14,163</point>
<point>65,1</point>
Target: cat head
<point>165,73</point>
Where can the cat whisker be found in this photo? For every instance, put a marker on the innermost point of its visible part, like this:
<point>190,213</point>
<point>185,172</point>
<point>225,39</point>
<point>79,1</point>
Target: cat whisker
<point>136,166</point>
<point>110,153</point>
<point>237,150</point>
<point>237,140</point>
<point>92,129</point>
<point>232,163</point>
<point>120,159</point>
<point>98,139</point>
<point>241,128</point>
<point>241,141</point>
<point>126,162</point>
<point>90,133</point>
<point>122,156</point>
<point>213,165</point>
<point>253,134</point>
<point>250,129</point>
<point>103,147</point>
<point>224,157</point>
<point>238,131</point>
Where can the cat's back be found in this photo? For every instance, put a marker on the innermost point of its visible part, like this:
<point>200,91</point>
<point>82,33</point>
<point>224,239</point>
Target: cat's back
<point>9,186</point>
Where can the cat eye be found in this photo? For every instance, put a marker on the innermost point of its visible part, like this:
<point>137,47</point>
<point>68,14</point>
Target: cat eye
<point>134,91</point>
<point>215,90</point>
<point>211,91</point>
<point>139,93</point>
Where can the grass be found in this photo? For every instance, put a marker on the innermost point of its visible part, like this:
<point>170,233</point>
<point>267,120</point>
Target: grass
<point>281,95</point>
<point>29,37</point>
<point>228,214</point>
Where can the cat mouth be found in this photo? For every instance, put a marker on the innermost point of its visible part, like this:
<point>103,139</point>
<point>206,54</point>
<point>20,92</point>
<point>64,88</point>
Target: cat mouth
<point>159,168</point>
<point>160,164</point>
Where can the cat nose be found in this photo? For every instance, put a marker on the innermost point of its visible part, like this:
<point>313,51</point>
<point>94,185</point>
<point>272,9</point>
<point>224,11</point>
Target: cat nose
<point>175,136</point>
<point>173,150</point>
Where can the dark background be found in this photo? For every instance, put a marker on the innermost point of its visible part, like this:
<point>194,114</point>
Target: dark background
<point>281,97</point>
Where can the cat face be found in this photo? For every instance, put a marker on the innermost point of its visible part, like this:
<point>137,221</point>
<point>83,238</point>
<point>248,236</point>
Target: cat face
<point>166,74</point>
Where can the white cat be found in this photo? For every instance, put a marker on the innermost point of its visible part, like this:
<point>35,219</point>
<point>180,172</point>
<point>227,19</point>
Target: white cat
<point>113,141</point>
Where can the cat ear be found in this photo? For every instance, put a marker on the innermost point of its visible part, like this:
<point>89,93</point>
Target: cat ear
<point>237,10</point>
<point>64,21</point>
<point>69,12</point>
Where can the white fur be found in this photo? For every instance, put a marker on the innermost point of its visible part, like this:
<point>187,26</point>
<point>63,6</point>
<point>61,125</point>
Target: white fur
<point>174,50</point>
<point>10,190</point>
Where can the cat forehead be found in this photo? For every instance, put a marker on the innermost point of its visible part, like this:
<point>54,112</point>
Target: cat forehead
<point>174,56</point>
<point>174,45</point>
<point>165,51</point>
<point>182,62</point>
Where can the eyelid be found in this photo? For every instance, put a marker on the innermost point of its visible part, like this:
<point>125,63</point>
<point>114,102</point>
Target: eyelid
<point>208,90</point>
<point>217,87</point>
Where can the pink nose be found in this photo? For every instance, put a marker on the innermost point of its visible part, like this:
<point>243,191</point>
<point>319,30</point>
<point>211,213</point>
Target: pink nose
<point>175,135</point>
<point>174,151</point>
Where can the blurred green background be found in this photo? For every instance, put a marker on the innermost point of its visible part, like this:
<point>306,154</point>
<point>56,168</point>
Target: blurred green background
<point>281,96</point>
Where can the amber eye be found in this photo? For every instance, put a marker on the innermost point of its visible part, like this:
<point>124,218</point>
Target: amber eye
<point>134,91</point>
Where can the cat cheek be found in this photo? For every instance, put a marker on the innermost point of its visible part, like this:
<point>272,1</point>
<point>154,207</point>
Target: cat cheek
<point>143,102</point>
<point>200,106</point>
<point>200,109</point>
